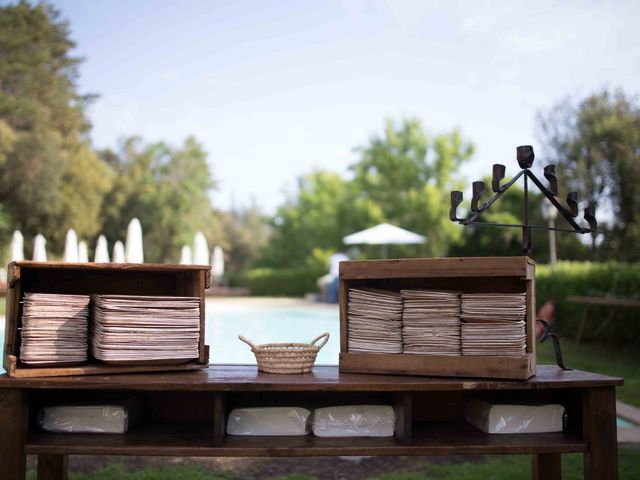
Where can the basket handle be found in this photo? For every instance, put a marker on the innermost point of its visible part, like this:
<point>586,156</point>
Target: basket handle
<point>247,341</point>
<point>324,342</point>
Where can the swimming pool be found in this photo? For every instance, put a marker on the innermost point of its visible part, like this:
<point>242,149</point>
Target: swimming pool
<point>264,321</point>
<point>268,321</point>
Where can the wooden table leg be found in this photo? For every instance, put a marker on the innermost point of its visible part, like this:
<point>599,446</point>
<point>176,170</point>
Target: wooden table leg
<point>13,429</point>
<point>583,320</point>
<point>600,432</point>
<point>546,466</point>
<point>52,467</point>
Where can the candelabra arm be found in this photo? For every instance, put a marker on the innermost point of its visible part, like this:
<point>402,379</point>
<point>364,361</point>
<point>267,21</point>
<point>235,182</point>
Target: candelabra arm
<point>489,202</point>
<point>569,217</point>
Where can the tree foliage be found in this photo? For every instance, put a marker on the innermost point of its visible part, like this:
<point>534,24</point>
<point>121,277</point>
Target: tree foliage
<point>408,174</point>
<point>50,178</point>
<point>166,188</point>
<point>596,144</point>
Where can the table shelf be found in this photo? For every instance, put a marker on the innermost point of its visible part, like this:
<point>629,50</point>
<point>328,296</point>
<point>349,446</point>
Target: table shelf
<point>194,439</point>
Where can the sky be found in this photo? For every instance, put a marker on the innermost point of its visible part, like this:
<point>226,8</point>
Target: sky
<point>276,89</point>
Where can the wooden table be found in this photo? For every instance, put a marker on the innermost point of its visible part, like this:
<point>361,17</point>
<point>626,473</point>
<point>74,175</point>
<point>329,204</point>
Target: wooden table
<point>186,411</point>
<point>612,304</point>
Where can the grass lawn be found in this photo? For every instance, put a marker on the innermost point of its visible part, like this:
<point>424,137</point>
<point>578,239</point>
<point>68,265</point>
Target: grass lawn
<point>512,467</point>
<point>617,361</point>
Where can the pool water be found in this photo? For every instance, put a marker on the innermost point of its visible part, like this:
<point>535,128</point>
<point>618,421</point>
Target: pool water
<point>266,323</point>
<point>622,423</point>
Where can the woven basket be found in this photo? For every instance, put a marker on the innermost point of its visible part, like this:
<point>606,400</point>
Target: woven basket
<point>286,357</point>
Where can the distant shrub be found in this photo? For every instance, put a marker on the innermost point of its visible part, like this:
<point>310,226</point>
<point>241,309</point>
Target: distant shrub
<point>592,279</point>
<point>290,282</point>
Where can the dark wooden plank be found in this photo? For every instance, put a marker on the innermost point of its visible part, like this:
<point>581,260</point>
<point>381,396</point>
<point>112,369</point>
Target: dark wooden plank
<point>531,315</point>
<point>139,267</point>
<point>342,302</point>
<point>219,418</point>
<point>53,467</point>
<point>323,378</point>
<point>600,432</point>
<point>13,428</point>
<point>429,439</point>
<point>546,466</point>
<point>403,406</point>
<point>519,368</point>
<point>437,267</point>
<point>14,370</point>
<point>12,313</point>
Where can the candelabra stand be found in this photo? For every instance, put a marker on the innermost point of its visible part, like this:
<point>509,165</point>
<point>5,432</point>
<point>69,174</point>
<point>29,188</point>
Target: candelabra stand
<point>525,157</point>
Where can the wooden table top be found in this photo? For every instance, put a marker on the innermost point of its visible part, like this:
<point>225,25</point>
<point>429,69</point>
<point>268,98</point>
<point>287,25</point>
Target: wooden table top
<point>323,378</point>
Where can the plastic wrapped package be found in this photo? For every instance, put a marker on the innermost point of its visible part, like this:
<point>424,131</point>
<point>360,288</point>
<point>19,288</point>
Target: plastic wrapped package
<point>513,418</point>
<point>354,421</point>
<point>267,421</point>
<point>114,417</point>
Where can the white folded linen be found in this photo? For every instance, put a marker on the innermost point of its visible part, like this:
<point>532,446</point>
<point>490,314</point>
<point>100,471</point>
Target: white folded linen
<point>267,421</point>
<point>513,418</point>
<point>112,418</point>
<point>354,421</point>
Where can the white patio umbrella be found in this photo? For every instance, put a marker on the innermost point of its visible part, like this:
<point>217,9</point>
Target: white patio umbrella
<point>385,235</point>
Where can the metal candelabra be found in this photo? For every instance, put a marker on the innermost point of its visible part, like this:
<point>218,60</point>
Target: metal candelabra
<point>525,157</point>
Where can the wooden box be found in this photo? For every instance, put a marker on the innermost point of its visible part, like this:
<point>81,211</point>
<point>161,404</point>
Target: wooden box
<point>98,278</point>
<point>472,274</point>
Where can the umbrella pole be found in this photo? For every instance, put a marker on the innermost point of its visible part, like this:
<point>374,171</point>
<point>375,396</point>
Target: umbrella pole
<point>385,250</point>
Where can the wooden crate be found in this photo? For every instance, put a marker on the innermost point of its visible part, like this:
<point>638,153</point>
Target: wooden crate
<point>98,278</point>
<point>473,274</point>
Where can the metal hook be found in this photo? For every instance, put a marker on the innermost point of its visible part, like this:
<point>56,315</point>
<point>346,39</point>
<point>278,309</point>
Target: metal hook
<point>546,333</point>
<point>572,202</point>
<point>525,156</point>
<point>590,217</point>
<point>456,199</point>
<point>477,189</point>
<point>550,175</point>
<point>498,174</point>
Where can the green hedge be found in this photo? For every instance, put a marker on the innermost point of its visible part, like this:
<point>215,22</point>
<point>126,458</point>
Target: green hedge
<point>290,282</point>
<point>592,279</point>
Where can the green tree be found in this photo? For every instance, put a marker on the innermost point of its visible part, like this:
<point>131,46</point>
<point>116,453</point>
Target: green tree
<point>166,188</point>
<point>596,144</point>
<point>408,174</point>
<point>244,232</point>
<point>50,179</point>
<point>322,210</point>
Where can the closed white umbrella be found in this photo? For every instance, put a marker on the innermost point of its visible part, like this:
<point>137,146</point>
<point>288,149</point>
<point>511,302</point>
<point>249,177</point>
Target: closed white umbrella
<point>384,234</point>
<point>83,252</point>
<point>39,248</point>
<point>134,252</point>
<point>118,252</point>
<point>102,250</point>
<point>185,255</point>
<point>217,263</point>
<point>17,247</point>
<point>200,249</point>
<point>71,246</point>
